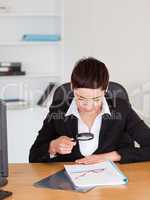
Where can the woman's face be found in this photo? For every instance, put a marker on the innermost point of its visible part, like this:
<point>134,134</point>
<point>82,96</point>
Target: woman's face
<point>89,100</point>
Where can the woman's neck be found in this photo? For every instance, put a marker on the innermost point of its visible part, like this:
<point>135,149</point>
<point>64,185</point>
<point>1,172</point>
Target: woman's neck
<point>89,117</point>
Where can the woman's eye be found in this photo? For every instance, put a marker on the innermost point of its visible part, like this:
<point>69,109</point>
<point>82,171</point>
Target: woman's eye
<point>82,99</point>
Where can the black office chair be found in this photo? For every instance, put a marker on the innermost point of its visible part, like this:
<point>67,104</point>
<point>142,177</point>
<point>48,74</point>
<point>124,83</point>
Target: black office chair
<point>115,90</point>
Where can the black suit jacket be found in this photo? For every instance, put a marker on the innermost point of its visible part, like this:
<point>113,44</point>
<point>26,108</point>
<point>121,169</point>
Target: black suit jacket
<point>118,132</point>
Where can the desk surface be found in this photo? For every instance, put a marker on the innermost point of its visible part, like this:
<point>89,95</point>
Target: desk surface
<point>22,177</point>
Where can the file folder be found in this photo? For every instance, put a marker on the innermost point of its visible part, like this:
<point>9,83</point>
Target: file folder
<point>60,181</point>
<point>40,37</point>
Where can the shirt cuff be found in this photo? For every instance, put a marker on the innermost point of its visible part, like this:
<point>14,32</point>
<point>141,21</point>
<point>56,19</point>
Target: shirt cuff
<point>52,156</point>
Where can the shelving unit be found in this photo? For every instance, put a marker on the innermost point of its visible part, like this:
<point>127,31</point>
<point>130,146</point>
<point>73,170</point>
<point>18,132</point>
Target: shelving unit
<point>29,14</point>
<point>13,28</point>
<point>29,76</point>
<point>24,43</point>
<point>29,6</point>
<point>42,61</point>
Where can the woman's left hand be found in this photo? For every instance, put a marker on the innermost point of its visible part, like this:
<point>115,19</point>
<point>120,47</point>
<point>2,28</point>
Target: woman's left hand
<point>96,158</point>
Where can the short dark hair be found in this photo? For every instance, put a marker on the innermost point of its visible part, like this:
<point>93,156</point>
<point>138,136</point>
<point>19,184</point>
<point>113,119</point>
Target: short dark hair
<point>90,73</point>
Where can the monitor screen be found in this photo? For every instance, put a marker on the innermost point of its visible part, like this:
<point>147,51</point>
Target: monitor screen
<point>3,145</point>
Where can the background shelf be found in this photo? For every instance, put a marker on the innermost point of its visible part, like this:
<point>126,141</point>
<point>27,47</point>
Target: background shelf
<point>24,43</point>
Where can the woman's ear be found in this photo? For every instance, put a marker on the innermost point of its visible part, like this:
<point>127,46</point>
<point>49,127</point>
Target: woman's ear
<point>106,89</point>
<point>71,86</point>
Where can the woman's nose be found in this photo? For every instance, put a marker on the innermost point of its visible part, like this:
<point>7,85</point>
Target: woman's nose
<point>88,105</point>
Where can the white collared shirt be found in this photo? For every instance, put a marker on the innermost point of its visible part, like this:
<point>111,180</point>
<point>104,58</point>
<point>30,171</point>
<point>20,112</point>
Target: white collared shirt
<point>88,147</point>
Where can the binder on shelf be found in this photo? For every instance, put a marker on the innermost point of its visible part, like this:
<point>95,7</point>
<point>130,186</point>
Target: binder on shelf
<point>11,68</point>
<point>40,37</point>
<point>12,73</point>
<point>10,64</point>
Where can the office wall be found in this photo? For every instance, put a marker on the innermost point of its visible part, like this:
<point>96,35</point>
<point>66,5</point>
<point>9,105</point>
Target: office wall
<point>116,32</point>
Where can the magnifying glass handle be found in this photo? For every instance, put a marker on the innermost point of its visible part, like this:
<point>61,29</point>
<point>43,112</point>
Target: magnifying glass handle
<point>73,140</point>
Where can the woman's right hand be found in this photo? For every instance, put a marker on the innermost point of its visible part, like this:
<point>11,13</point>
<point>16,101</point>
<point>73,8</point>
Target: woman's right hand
<point>61,145</point>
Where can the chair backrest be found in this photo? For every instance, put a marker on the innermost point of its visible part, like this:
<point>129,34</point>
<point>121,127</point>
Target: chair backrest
<point>115,90</point>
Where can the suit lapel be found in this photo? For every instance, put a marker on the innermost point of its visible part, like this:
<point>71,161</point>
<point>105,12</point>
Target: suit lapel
<point>104,134</point>
<point>71,127</point>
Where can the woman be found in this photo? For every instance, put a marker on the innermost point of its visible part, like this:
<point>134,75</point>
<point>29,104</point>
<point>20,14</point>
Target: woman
<point>112,128</point>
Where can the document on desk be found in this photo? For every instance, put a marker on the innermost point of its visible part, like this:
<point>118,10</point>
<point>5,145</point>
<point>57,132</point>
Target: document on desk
<point>102,174</point>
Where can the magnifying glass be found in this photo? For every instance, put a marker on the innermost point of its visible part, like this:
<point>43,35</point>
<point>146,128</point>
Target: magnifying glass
<point>84,136</point>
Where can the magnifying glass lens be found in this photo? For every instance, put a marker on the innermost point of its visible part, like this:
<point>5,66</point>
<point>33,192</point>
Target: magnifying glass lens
<point>84,136</point>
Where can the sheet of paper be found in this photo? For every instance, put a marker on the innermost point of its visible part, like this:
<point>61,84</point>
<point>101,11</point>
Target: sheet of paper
<point>104,173</point>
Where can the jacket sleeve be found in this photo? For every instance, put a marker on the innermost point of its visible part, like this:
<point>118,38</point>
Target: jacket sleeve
<point>135,130</point>
<point>39,150</point>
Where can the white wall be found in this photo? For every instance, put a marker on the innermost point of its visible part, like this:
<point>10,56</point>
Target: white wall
<point>76,33</point>
<point>116,32</point>
<point>23,127</point>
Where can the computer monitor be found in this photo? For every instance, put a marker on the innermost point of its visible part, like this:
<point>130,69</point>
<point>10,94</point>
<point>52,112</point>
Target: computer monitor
<point>3,145</point>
